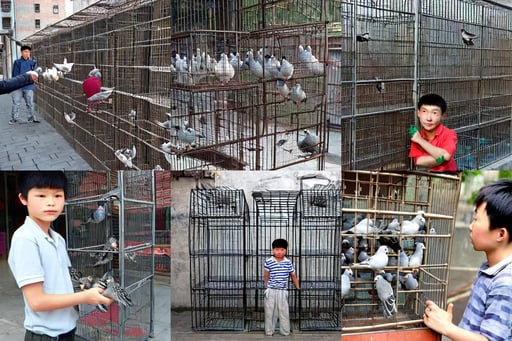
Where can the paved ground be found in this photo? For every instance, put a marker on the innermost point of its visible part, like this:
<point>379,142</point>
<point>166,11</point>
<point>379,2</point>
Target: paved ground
<point>33,146</point>
<point>12,315</point>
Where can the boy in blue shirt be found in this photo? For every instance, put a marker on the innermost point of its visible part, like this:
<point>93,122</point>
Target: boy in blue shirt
<point>40,264</point>
<point>488,314</point>
<point>277,271</point>
<point>21,66</point>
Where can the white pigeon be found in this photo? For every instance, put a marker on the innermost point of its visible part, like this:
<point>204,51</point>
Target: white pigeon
<point>364,226</point>
<point>132,115</point>
<point>386,296</point>
<point>130,153</point>
<point>394,225</point>
<point>272,66</point>
<point>51,74</point>
<point>254,66</point>
<point>224,71</point>
<point>345,282</point>
<point>286,69</point>
<point>404,259</point>
<point>65,67</point>
<point>122,157</point>
<point>166,124</point>
<point>310,61</point>
<point>167,147</point>
<point>283,89</point>
<point>235,61</point>
<point>378,261</point>
<point>101,96</point>
<point>309,143</point>
<point>467,37</point>
<point>413,226</point>
<point>416,259</point>
<point>70,118</point>
<point>297,95</point>
<point>187,134</point>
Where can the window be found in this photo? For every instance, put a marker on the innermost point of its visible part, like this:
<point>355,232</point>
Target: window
<point>6,6</point>
<point>38,23</point>
<point>55,9</point>
<point>37,8</point>
<point>6,23</point>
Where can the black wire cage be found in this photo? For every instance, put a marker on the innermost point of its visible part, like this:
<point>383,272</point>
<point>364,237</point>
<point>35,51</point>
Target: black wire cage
<point>127,201</point>
<point>229,246</point>
<point>376,201</point>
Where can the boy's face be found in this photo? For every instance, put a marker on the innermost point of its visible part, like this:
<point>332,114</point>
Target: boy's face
<point>279,252</point>
<point>482,237</point>
<point>430,117</point>
<point>25,54</point>
<point>44,205</point>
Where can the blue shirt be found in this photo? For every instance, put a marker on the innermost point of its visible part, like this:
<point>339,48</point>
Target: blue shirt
<point>489,309</point>
<point>21,66</point>
<point>35,257</point>
<point>279,272</point>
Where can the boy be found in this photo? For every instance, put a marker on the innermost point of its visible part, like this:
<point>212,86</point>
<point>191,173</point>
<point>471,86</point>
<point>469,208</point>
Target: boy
<point>21,66</point>
<point>277,271</point>
<point>434,146</point>
<point>488,315</point>
<point>39,261</point>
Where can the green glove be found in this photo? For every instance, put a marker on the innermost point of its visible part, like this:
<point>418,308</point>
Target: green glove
<point>412,130</point>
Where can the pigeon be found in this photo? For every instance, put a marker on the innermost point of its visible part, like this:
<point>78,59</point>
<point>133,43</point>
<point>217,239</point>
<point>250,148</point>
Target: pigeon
<point>75,274</point>
<point>254,66</point>
<point>33,73</point>
<point>187,134</point>
<point>311,62</point>
<point>413,226</point>
<point>349,255</point>
<point>378,261</point>
<point>106,255</point>
<point>234,60</point>
<point>98,215</point>
<point>345,282</point>
<point>409,282</point>
<point>362,256</point>
<point>51,74</point>
<point>95,72</point>
<point>130,153</point>
<point>392,241</point>
<point>167,147</point>
<point>381,86</point>
<point>271,67</point>
<point>365,226</point>
<point>309,143</point>
<point>101,96</point>
<point>65,67</point>
<point>386,296</point>
<point>132,115</point>
<point>394,225</point>
<point>121,155</point>
<point>285,70</point>
<point>283,88</point>
<point>86,282</point>
<point>467,37</point>
<point>297,95</point>
<point>404,259</point>
<point>224,71</point>
<point>363,37</point>
<point>416,259</point>
<point>70,118</point>
<point>131,256</point>
<point>117,293</point>
<point>166,124</point>
<point>111,195</point>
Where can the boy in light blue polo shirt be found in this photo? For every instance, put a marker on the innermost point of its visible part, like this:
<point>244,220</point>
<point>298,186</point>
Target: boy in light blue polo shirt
<point>40,264</point>
<point>488,314</point>
<point>277,271</point>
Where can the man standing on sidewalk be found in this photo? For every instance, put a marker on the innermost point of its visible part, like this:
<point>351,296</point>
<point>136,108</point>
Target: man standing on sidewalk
<point>21,66</point>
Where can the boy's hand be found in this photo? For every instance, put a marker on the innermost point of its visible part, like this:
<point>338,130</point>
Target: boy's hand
<point>412,130</point>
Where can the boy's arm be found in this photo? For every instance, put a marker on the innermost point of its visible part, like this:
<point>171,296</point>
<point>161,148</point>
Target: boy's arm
<point>441,321</point>
<point>266,275</point>
<point>295,280</point>
<point>436,153</point>
<point>38,300</point>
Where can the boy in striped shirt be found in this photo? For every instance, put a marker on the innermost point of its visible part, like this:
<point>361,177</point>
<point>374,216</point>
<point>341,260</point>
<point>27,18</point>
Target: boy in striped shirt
<point>488,315</point>
<point>277,271</point>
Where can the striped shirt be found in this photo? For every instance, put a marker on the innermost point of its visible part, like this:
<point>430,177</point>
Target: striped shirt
<point>489,309</point>
<point>279,272</point>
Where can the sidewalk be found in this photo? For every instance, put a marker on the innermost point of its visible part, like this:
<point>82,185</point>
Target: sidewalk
<point>34,146</point>
<point>12,315</point>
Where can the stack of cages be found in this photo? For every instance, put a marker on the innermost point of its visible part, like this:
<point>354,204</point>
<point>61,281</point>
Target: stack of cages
<point>276,216</point>
<point>320,256</point>
<point>218,222</point>
<point>375,201</point>
<point>248,121</point>
<point>124,209</point>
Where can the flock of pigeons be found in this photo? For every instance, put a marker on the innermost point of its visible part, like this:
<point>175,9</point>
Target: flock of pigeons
<point>390,264</point>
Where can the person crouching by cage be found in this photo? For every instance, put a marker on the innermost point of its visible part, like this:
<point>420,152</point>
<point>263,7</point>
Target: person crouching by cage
<point>277,271</point>
<point>91,86</point>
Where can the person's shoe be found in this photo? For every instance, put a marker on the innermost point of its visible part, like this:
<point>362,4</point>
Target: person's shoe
<point>33,120</point>
<point>13,121</point>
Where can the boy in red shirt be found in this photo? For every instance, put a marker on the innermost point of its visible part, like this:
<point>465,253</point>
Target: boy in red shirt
<point>434,146</point>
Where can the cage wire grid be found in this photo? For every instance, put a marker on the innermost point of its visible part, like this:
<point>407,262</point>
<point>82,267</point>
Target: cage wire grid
<point>229,244</point>
<point>129,217</point>
<point>383,196</point>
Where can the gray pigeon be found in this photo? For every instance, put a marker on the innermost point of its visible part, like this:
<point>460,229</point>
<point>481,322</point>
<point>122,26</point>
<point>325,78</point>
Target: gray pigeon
<point>345,282</point>
<point>363,37</point>
<point>467,37</point>
<point>106,255</point>
<point>416,259</point>
<point>101,96</point>
<point>386,296</point>
<point>409,282</point>
<point>309,144</point>
<point>404,259</point>
<point>378,261</point>
<point>187,134</point>
<point>349,255</point>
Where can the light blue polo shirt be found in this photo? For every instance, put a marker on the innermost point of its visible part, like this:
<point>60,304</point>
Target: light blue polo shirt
<point>35,257</point>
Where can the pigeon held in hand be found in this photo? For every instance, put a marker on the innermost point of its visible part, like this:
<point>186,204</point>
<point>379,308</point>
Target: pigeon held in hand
<point>65,67</point>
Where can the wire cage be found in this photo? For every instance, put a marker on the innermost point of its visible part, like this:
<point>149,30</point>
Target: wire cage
<point>127,201</point>
<point>396,198</point>
<point>218,222</point>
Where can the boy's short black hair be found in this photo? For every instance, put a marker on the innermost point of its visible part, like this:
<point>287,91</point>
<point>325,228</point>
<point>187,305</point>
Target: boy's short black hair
<point>433,99</point>
<point>41,179</point>
<point>498,199</point>
<point>280,243</point>
<point>25,47</point>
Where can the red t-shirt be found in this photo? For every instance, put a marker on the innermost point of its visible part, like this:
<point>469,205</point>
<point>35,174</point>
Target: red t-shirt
<point>91,86</point>
<point>444,138</point>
